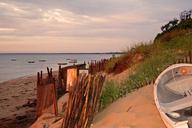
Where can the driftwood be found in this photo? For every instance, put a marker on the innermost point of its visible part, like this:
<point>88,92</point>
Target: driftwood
<point>46,93</point>
<point>82,103</point>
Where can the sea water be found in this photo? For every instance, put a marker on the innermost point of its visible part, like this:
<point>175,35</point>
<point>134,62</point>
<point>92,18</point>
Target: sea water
<point>17,65</point>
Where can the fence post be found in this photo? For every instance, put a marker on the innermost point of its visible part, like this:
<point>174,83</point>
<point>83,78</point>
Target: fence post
<point>190,57</point>
<point>46,93</point>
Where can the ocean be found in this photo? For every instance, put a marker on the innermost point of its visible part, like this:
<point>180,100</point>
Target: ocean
<point>18,65</point>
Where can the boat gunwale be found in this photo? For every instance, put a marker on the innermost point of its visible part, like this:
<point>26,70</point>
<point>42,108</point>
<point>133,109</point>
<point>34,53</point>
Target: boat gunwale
<point>167,121</point>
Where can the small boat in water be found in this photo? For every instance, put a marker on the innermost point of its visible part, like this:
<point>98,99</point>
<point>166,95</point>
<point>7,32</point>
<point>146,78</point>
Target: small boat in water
<point>173,96</point>
<point>31,61</point>
<point>42,60</point>
<point>73,61</point>
<point>62,63</point>
<point>13,59</point>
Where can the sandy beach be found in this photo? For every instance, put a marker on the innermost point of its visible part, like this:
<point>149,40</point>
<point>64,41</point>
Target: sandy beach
<point>17,102</point>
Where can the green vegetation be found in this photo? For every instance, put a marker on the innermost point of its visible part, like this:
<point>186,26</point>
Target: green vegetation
<point>179,30</point>
<point>175,27</point>
<point>150,60</point>
<point>110,93</point>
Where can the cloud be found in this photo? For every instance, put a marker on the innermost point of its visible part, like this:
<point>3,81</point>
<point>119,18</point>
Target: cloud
<point>127,20</point>
<point>7,29</point>
<point>65,16</point>
<point>62,22</point>
<point>11,7</point>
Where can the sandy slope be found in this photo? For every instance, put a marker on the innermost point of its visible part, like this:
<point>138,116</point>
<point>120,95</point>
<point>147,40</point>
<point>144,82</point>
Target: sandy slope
<point>136,110</point>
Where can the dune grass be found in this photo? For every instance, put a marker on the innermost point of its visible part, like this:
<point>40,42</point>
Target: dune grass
<point>110,93</point>
<point>157,57</point>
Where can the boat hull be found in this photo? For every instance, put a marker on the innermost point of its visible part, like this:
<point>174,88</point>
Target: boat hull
<point>167,121</point>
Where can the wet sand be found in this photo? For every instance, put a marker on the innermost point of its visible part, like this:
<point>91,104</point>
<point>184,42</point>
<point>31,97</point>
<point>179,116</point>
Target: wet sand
<point>17,102</point>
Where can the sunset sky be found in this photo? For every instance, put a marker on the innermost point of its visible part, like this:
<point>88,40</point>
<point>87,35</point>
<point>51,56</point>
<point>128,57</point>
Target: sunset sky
<point>82,25</point>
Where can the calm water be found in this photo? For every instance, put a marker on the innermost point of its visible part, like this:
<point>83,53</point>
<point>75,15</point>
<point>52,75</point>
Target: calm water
<point>12,69</point>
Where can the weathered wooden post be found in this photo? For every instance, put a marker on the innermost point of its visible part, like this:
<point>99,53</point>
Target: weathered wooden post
<point>71,77</point>
<point>46,93</point>
<point>186,59</point>
<point>190,57</point>
<point>60,77</point>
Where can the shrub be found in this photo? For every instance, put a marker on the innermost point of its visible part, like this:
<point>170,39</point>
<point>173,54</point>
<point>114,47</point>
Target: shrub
<point>110,93</point>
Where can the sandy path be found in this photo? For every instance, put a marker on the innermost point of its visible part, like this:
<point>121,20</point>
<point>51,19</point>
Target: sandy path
<point>136,110</point>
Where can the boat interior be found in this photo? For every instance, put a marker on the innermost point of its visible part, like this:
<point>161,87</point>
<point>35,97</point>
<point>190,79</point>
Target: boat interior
<point>174,93</point>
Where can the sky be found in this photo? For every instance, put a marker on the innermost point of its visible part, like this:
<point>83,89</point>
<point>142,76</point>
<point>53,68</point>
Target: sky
<point>57,26</point>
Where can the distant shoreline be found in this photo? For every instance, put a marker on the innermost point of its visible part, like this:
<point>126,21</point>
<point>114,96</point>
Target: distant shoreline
<point>67,53</point>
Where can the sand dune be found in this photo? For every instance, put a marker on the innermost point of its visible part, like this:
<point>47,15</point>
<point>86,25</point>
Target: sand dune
<point>136,110</point>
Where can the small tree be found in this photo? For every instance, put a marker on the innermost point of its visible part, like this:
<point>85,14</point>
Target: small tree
<point>185,15</point>
<point>167,26</point>
<point>163,28</point>
<point>173,22</point>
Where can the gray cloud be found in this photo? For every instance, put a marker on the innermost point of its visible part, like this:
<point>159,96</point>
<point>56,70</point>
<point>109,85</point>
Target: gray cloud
<point>131,20</point>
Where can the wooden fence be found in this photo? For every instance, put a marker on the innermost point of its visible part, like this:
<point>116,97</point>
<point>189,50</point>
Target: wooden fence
<point>97,66</point>
<point>82,102</point>
<point>186,59</point>
<point>46,94</point>
<point>64,73</point>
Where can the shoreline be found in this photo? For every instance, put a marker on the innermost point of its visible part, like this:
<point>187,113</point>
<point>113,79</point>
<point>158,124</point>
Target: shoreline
<point>16,78</point>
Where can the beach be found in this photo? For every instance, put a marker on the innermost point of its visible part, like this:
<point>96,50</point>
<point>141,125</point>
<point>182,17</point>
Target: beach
<point>17,102</point>
<point>134,110</point>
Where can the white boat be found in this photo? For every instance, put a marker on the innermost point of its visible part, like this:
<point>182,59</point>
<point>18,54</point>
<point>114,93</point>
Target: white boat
<point>173,96</point>
<point>72,61</point>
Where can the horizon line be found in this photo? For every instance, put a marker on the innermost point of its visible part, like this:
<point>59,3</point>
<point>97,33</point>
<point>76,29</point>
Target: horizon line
<point>62,53</point>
